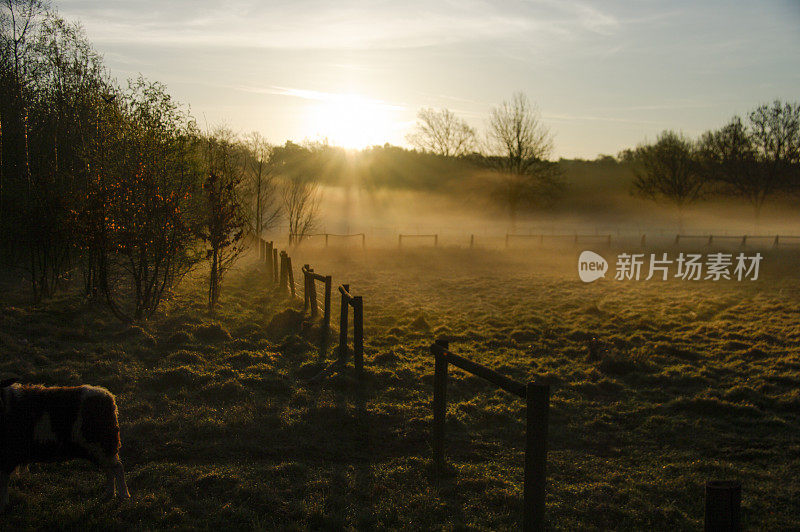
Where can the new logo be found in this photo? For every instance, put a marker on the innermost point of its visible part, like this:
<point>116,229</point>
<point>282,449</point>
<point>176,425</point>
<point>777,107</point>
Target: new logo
<point>591,266</point>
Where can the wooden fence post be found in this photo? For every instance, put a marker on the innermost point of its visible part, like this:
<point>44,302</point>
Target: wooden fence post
<point>506,240</point>
<point>306,291</point>
<point>471,241</point>
<point>723,506</point>
<point>284,276</point>
<point>290,275</point>
<point>439,405</point>
<point>326,239</point>
<point>275,265</point>
<point>358,334</point>
<point>268,259</point>
<point>363,241</point>
<point>436,240</point>
<point>343,325</point>
<point>537,397</point>
<point>312,288</point>
<point>400,241</point>
<point>644,240</point>
<point>327,315</point>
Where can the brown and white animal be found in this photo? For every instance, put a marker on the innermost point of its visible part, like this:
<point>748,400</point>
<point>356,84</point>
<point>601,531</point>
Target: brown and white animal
<point>52,424</point>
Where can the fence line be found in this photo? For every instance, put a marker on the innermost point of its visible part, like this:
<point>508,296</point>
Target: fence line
<point>295,237</point>
<point>722,498</point>
<point>655,240</point>
<point>401,236</point>
<point>348,300</point>
<point>541,237</point>
<point>279,266</point>
<point>310,294</point>
<point>537,397</point>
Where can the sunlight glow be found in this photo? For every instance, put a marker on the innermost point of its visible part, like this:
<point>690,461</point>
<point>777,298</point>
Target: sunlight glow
<point>351,121</point>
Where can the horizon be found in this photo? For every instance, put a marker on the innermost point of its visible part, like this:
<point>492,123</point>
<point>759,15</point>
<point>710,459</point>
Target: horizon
<point>604,78</point>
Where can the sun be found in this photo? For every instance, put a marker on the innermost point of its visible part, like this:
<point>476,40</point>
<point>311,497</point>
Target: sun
<point>351,121</point>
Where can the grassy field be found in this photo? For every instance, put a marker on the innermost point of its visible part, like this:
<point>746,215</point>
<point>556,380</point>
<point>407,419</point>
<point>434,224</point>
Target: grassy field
<point>222,430</point>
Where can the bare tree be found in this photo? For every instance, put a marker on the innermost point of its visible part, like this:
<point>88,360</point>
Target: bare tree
<point>518,145</point>
<point>669,170</point>
<point>301,205</point>
<point>262,187</point>
<point>518,136</point>
<point>442,132</point>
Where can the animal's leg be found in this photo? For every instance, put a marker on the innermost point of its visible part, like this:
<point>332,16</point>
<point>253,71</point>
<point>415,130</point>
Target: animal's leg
<point>4,478</point>
<point>119,473</point>
<point>110,474</point>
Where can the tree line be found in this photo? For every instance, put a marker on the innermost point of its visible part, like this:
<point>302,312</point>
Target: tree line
<point>756,158</point>
<point>113,186</point>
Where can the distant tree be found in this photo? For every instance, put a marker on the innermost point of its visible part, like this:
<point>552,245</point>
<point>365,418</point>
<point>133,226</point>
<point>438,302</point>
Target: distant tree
<point>519,145</point>
<point>301,204</point>
<point>300,169</point>
<point>775,133</point>
<point>225,220</point>
<point>669,170</point>
<point>729,157</point>
<point>443,133</point>
<point>261,184</point>
<point>518,136</point>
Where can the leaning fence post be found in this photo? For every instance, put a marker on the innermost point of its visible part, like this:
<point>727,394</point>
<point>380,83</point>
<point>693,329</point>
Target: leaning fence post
<point>723,506</point>
<point>439,404</point>
<point>343,325</point>
<point>358,334</point>
<point>284,276</point>
<point>290,275</point>
<point>312,290</point>
<point>306,290</point>
<point>275,265</point>
<point>268,259</point>
<point>537,397</point>
<point>327,316</point>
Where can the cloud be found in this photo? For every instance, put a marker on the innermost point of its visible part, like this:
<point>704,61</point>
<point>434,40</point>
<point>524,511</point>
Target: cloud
<point>315,24</point>
<point>321,96</point>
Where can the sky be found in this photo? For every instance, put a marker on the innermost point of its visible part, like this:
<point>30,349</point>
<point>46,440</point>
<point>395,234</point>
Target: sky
<point>605,75</point>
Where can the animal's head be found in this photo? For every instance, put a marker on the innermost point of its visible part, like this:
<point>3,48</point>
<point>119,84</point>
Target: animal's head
<point>5,383</point>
